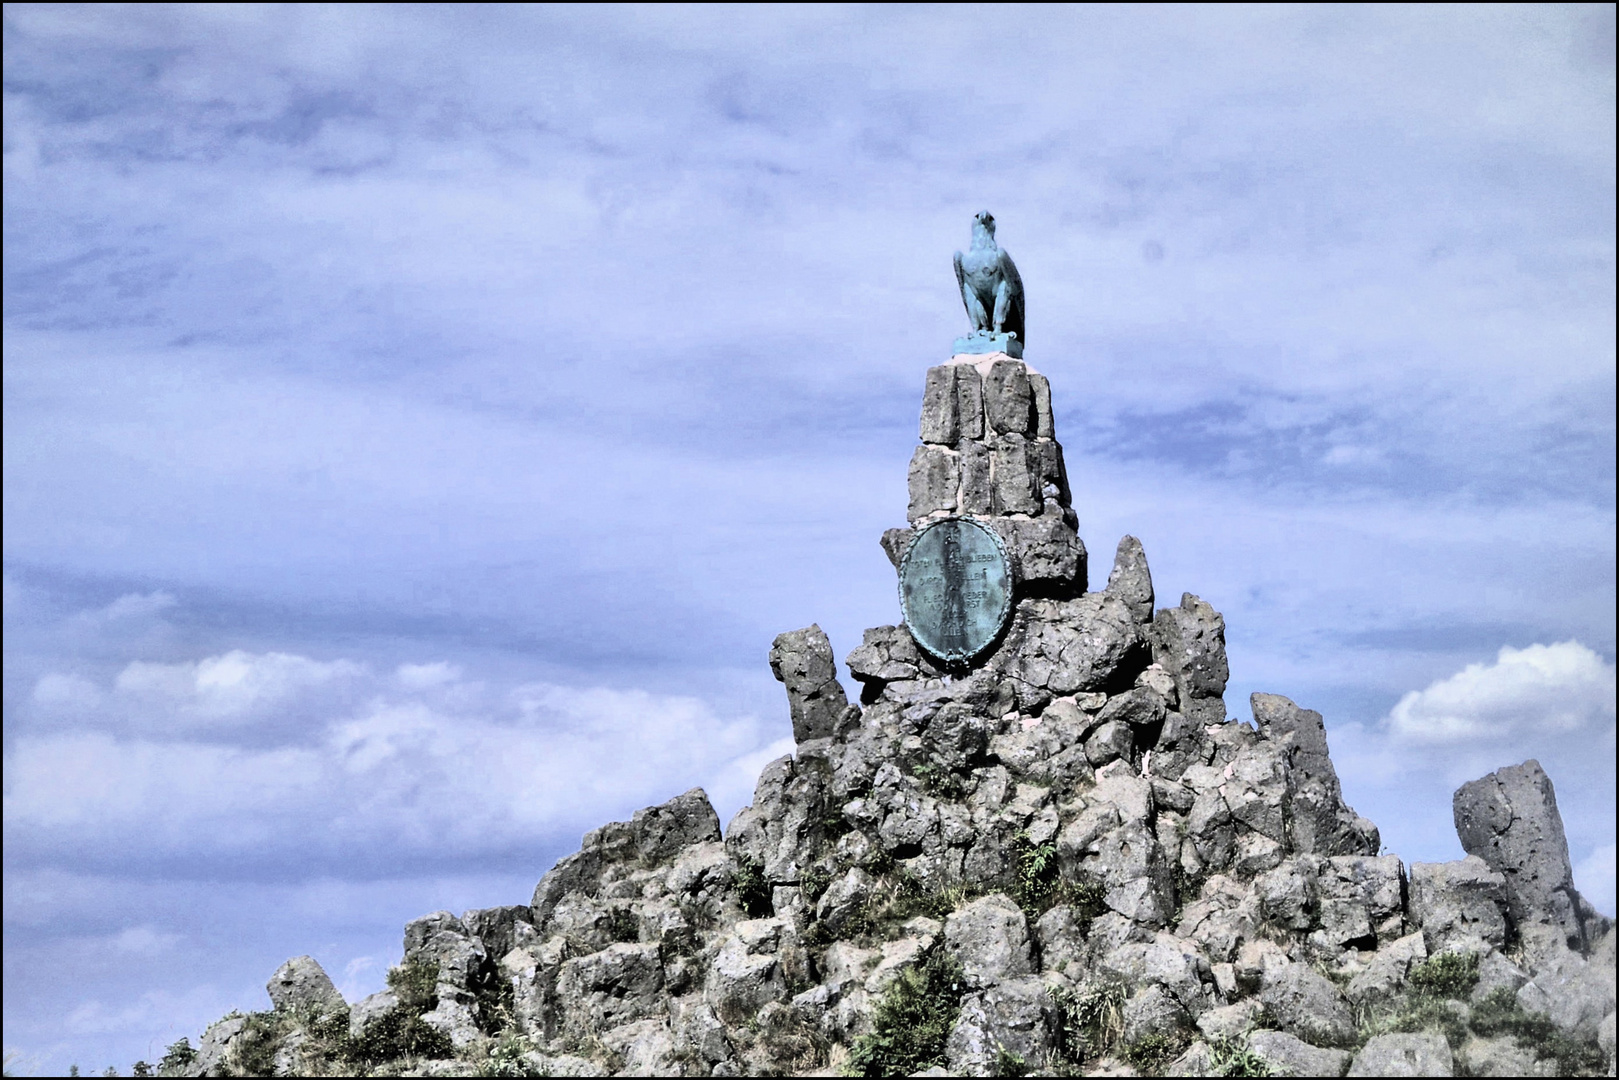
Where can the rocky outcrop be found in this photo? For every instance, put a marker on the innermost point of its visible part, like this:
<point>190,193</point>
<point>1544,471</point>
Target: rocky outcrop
<point>303,983</point>
<point>1509,819</point>
<point>1462,903</point>
<point>802,661</point>
<point>1404,1054</point>
<point>1067,857</point>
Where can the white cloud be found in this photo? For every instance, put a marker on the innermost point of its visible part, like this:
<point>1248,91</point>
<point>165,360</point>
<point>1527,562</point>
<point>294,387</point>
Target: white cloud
<point>1550,689</point>
<point>424,764</point>
<point>422,676</point>
<point>228,689</point>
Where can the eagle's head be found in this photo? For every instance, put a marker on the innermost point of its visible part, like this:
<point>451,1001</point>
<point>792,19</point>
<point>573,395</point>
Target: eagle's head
<point>986,219</point>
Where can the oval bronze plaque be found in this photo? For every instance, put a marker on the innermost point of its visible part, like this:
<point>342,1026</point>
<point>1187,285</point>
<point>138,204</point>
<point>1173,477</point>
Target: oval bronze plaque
<point>955,588</point>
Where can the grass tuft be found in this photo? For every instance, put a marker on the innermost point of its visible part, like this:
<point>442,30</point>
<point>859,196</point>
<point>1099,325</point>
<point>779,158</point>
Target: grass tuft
<point>1448,975</point>
<point>912,1020</point>
<point>1150,1053</point>
<point>1090,1022</point>
<point>1036,886</point>
<point>752,890</point>
<point>1232,1057</point>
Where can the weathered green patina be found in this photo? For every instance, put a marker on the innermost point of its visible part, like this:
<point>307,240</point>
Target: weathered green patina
<point>955,588</point>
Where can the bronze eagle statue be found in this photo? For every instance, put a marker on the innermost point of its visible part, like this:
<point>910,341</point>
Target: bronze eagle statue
<point>990,286</point>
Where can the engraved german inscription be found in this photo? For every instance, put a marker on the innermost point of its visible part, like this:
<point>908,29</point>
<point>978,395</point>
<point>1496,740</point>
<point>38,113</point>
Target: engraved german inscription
<point>955,588</point>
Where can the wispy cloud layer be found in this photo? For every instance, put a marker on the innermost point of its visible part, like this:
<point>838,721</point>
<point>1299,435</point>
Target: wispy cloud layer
<point>371,774</point>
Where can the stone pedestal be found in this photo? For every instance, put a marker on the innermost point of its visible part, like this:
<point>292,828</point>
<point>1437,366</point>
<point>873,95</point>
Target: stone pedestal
<point>988,449</point>
<point>983,342</point>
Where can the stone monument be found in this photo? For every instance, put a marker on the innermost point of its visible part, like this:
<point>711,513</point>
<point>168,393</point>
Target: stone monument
<point>1037,811</point>
<point>989,505</point>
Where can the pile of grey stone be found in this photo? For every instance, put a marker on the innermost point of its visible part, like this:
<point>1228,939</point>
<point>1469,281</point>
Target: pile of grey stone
<point>1203,871</point>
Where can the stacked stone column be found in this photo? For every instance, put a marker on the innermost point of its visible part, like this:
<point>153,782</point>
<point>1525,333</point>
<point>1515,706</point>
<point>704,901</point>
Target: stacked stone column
<point>989,450</point>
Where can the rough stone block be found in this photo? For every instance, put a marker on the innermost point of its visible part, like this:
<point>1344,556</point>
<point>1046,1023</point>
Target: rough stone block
<point>1051,474</point>
<point>368,1010</point>
<point>615,985</point>
<point>1288,1056</point>
<point>935,479</point>
<point>939,420</point>
<point>952,405</point>
<point>1046,551</point>
<point>843,898</point>
<point>1139,707</point>
<point>1574,992</point>
<point>1152,1010</point>
<point>1256,790</point>
<point>1130,582</point>
<point>1109,742</point>
<point>802,661</point>
<point>1307,1005</point>
<point>501,929</point>
<point>1495,972</point>
<point>1422,1053</point>
<point>301,982</point>
<point>990,937</point>
<point>644,1047</point>
<point>1086,644</point>
<point>1189,643</point>
<point>970,402</point>
<point>1130,864</point>
<point>1061,935</point>
<point>1009,399</point>
<point>455,1016</point>
<point>747,970</point>
<point>1361,899</point>
<point>895,543</point>
<point>1229,1021</point>
<point>1504,1056</point>
<point>1385,974</point>
<point>1014,477</point>
<point>663,831</point>
<point>421,932</point>
<point>1510,820</point>
<point>887,654</point>
<point>1014,1017</point>
<point>216,1047</point>
<point>1176,965</point>
<point>1321,823</point>
<point>977,483</point>
<point>1456,901</point>
<point>1044,425</point>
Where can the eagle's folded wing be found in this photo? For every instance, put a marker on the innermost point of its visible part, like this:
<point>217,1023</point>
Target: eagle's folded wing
<point>1007,268</point>
<point>961,285</point>
<point>1009,274</point>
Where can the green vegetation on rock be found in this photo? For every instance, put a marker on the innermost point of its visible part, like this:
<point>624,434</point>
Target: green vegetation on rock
<point>912,1020</point>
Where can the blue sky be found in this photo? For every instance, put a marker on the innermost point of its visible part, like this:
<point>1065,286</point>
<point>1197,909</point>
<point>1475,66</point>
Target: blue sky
<point>419,420</point>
